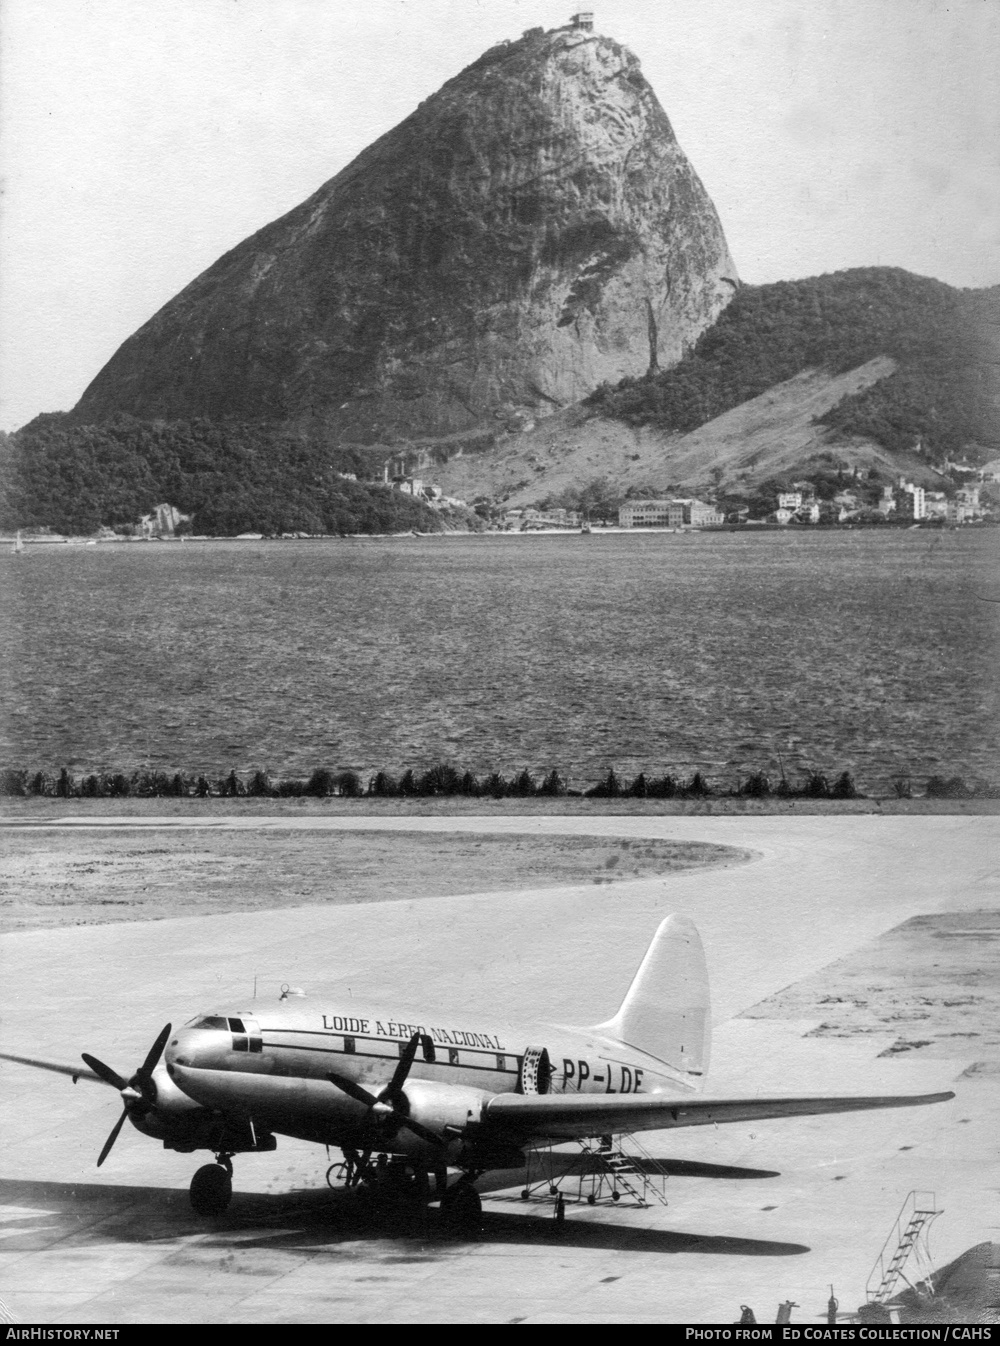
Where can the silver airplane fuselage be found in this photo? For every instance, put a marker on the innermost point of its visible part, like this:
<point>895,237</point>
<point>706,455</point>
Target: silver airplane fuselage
<point>273,1065</point>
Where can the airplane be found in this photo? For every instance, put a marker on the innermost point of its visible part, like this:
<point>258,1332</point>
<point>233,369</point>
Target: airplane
<point>429,1094</point>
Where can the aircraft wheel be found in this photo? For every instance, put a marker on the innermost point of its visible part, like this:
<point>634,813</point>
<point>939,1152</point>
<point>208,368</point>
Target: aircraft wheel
<point>462,1210</point>
<point>525,1194</point>
<point>616,1196</point>
<point>211,1190</point>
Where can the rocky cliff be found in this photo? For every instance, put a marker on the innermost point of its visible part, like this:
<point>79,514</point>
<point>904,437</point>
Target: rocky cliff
<point>530,231</point>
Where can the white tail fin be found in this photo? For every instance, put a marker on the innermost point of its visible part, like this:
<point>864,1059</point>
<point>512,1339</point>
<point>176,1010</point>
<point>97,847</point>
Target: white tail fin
<point>666,1012</point>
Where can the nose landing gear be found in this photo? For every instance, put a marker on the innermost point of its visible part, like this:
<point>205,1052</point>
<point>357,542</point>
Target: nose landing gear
<point>212,1187</point>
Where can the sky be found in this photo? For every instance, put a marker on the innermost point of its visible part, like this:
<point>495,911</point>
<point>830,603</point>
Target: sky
<point>142,139</point>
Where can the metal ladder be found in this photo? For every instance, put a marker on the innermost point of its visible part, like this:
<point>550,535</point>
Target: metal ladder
<point>632,1172</point>
<point>603,1171</point>
<point>909,1230</point>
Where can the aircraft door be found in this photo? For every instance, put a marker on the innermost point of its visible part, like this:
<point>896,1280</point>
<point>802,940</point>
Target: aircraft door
<point>536,1071</point>
<point>246,1035</point>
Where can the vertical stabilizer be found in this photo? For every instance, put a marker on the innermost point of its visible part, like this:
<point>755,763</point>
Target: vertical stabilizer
<point>666,1011</point>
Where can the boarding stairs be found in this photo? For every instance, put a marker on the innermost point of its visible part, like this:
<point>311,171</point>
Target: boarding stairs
<point>605,1169</point>
<point>908,1236</point>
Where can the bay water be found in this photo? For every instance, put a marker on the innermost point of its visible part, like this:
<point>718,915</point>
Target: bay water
<point>872,651</point>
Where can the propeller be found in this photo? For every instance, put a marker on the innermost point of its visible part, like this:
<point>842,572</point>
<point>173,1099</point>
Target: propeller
<point>392,1104</point>
<point>138,1093</point>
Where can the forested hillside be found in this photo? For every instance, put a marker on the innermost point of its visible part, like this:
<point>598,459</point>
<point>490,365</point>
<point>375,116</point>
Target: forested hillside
<point>944,391</point>
<point>231,478</point>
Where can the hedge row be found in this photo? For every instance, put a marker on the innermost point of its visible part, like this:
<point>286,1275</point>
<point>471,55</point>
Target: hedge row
<point>446,780</point>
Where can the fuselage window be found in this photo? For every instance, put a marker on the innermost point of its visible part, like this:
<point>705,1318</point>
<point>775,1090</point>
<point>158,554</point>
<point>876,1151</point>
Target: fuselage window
<point>501,1063</point>
<point>453,1056</point>
<point>348,1045</point>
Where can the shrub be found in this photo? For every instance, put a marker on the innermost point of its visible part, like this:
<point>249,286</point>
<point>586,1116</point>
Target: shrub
<point>13,782</point>
<point>756,785</point>
<point>954,788</point>
<point>553,784</point>
<point>523,785</point>
<point>383,785</point>
<point>816,786</point>
<point>844,788</point>
<point>321,783</point>
<point>609,788</point>
<point>348,785</point>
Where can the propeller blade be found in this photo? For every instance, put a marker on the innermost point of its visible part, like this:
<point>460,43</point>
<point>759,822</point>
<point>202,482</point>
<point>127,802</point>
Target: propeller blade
<point>352,1089</point>
<point>153,1055</point>
<point>104,1072</point>
<point>395,1085</point>
<point>422,1131</point>
<point>112,1138</point>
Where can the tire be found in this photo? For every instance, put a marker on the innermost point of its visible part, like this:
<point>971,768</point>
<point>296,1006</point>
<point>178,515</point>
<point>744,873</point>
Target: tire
<point>462,1210</point>
<point>211,1190</point>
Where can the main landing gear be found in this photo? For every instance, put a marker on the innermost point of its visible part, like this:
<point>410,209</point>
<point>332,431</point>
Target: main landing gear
<point>462,1210</point>
<point>212,1187</point>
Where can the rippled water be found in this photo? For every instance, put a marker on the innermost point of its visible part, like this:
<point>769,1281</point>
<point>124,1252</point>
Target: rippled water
<point>871,651</point>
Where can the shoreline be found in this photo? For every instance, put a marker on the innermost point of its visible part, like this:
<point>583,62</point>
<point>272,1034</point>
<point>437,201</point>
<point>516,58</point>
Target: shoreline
<point>76,812</point>
<point>616,530</point>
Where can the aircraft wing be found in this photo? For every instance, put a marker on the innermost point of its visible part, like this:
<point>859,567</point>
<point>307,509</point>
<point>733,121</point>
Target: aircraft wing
<point>77,1072</point>
<point>573,1116</point>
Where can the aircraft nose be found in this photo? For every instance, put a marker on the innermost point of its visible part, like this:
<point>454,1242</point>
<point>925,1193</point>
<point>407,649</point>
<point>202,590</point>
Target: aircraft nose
<point>202,1047</point>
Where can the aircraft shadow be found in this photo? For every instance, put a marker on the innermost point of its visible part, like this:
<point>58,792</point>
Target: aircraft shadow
<point>304,1222</point>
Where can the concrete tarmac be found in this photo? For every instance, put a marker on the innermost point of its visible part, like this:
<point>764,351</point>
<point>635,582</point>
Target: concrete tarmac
<point>121,1244</point>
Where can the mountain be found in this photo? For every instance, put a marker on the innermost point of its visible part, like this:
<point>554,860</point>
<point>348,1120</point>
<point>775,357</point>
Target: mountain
<point>529,232</point>
<point>856,369</point>
<point>943,388</point>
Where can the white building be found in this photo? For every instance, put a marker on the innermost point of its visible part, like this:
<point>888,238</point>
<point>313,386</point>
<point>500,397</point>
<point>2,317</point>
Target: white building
<point>645,514</point>
<point>912,502</point>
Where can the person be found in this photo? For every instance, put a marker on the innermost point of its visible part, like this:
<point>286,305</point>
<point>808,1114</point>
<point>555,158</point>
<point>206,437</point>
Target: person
<point>560,1208</point>
<point>832,1305</point>
<point>746,1315</point>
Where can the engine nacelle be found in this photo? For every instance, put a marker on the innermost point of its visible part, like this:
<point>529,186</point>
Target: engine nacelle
<point>174,1118</point>
<point>455,1113</point>
<point>447,1109</point>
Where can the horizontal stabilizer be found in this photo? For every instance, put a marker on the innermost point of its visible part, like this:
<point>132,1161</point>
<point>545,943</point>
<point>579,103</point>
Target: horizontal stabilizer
<point>573,1116</point>
<point>77,1072</point>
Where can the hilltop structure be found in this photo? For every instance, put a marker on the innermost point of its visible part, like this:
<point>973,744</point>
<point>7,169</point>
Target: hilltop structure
<point>529,232</point>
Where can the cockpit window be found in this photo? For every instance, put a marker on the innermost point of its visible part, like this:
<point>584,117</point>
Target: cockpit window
<point>209,1022</point>
<point>235,1026</point>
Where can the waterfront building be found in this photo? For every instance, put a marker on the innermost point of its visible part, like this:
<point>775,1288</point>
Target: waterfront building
<point>668,514</point>
<point>645,514</point>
